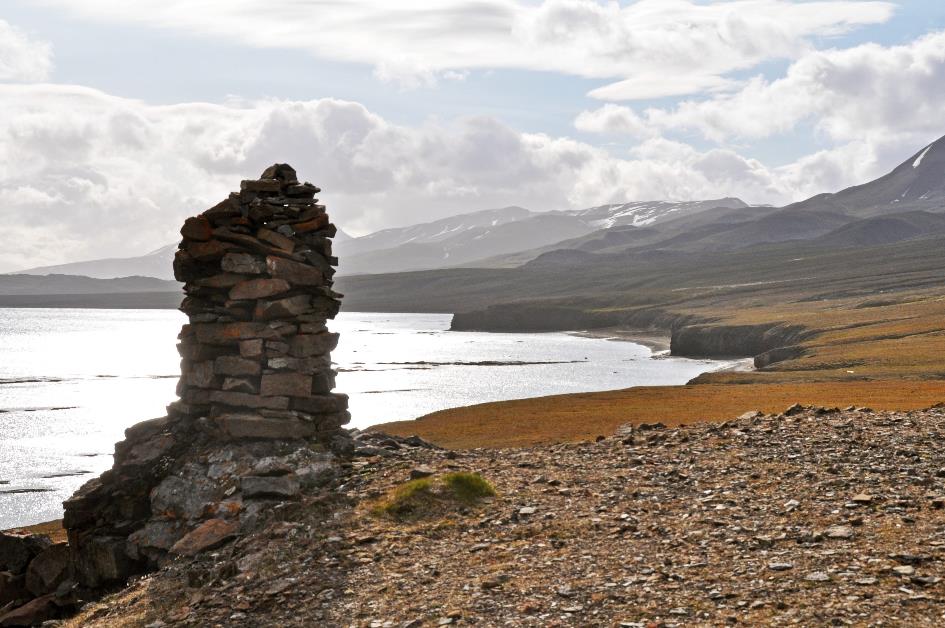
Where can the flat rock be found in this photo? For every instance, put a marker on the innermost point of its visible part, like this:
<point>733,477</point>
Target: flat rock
<point>418,473</point>
<point>33,613</point>
<point>17,550</point>
<point>258,289</point>
<point>248,426</point>
<point>208,535</point>
<point>780,566</point>
<point>49,569</point>
<point>839,532</point>
<point>268,486</point>
<point>286,384</point>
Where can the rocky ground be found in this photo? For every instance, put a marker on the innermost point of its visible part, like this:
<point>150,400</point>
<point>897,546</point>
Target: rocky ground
<point>810,517</point>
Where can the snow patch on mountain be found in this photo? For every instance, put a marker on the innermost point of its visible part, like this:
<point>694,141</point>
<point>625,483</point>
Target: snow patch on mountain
<point>918,161</point>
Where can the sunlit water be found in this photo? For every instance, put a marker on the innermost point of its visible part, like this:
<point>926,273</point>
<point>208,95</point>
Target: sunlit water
<point>72,380</point>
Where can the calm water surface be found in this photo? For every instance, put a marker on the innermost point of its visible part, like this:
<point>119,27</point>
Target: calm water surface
<point>72,380</point>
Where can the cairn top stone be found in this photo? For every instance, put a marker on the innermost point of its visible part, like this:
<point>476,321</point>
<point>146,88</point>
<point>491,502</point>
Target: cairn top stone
<point>283,172</point>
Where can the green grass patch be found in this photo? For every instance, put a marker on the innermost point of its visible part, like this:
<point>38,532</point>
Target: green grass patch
<point>468,487</point>
<point>422,498</point>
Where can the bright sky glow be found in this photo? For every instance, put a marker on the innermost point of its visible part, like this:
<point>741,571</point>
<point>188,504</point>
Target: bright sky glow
<point>119,119</point>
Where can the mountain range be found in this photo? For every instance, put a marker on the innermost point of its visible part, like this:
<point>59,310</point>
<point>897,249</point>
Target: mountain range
<point>906,204</point>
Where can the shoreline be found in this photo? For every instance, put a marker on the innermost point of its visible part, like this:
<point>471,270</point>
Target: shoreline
<point>53,529</point>
<point>575,417</point>
<point>652,340</point>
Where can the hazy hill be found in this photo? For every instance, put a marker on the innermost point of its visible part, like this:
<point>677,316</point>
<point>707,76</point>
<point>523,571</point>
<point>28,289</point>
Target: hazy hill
<point>72,284</point>
<point>88,292</point>
<point>154,264</point>
<point>886,230</point>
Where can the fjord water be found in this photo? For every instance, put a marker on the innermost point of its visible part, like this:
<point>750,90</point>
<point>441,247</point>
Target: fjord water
<point>71,380</point>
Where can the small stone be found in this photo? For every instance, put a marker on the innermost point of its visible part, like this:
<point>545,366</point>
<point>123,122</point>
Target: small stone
<point>243,263</point>
<point>286,384</point>
<point>277,240</point>
<point>904,570</point>
<point>240,384</point>
<point>306,345</point>
<point>862,498</point>
<point>839,532</point>
<point>282,308</point>
<point>197,228</point>
<point>295,273</point>
<point>251,348</point>
<point>817,576</point>
<point>527,510</point>
<point>261,185</point>
<point>780,566</point>
<point>565,591</point>
<point>925,581</point>
<point>236,366</point>
<point>258,289</point>
<point>418,473</point>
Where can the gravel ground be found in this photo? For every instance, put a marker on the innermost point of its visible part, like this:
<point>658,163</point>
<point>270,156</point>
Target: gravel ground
<point>810,517</point>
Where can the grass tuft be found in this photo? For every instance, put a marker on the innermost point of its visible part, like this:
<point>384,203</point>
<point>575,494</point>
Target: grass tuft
<point>408,500</point>
<point>468,487</point>
<point>421,498</point>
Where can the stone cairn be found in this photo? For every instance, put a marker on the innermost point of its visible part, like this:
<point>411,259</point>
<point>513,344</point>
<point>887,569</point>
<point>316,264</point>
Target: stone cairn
<point>256,424</point>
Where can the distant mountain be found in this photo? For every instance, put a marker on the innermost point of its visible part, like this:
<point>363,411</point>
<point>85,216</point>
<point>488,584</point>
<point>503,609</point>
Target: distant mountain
<point>22,284</point>
<point>647,213</point>
<point>87,292</point>
<point>462,244</point>
<point>156,264</point>
<point>916,184</point>
<point>436,231</point>
<point>468,239</point>
<point>450,242</point>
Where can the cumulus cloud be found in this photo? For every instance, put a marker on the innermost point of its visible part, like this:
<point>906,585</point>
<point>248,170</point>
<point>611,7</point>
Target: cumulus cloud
<point>848,94</point>
<point>871,103</point>
<point>614,119</point>
<point>649,48</point>
<point>23,58</point>
<point>109,176</point>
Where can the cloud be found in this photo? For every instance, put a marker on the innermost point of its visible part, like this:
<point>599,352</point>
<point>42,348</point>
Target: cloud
<point>849,94</point>
<point>871,105</point>
<point>109,176</point>
<point>614,119</point>
<point>23,58</point>
<point>648,48</point>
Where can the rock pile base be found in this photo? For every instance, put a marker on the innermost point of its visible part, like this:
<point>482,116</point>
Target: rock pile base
<point>256,424</point>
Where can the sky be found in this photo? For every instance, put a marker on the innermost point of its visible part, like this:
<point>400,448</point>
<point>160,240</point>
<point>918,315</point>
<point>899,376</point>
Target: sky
<point>120,119</point>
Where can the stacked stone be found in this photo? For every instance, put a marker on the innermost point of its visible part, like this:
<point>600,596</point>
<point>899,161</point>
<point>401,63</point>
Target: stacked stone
<point>256,423</point>
<point>257,270</point>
